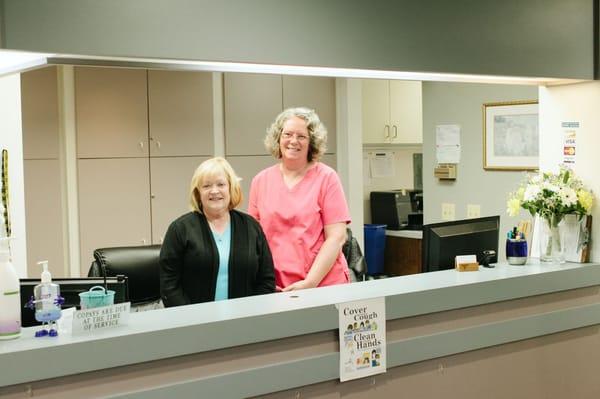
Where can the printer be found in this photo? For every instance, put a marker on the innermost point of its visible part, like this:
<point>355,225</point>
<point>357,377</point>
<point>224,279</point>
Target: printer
<point>398,209</point>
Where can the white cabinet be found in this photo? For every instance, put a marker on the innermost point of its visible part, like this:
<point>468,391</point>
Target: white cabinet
<point>317,93</point>
<point>114,205</point>
<point>170,185</point>
<point>392,112</point>
<point>44,216</point>
<point>39,113</point>
<point>180,113</point>
<point>253,101</point>
<point>130,192</point>
<point>112,112</point>
<point>42,178</point>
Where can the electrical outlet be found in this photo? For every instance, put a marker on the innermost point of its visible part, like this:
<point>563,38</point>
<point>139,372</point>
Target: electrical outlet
<point>473,211</point>
<point>448,211</point>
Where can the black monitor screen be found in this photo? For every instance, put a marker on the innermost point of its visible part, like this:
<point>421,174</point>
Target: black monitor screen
<point>442,242</point>
<point>70,289</point>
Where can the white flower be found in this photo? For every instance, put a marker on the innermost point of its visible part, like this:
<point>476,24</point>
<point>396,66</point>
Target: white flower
<point>531,192</point>
<point>550,187</point>
<point>568,196</point>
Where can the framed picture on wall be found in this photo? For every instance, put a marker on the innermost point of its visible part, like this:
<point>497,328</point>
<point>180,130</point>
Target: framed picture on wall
<point>511,135</point>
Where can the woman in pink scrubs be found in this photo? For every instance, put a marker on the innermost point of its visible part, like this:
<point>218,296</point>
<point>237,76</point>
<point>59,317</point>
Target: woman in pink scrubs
<point>300,204</point>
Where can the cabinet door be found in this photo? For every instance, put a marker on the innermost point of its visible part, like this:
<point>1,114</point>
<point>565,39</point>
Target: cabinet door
<point>402,256</point>
<point>114,205</point>
<point>406,111</point>
<point>44,222</point>
<point>112,112</point>
<point>39,113</point>
<point>317,93</point>
<point>181,113</point>
<point>252,101</point>
<point>376,111</point>
<point>170,179</point>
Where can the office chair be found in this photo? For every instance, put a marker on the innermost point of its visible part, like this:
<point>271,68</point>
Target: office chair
<point>139,264</point>
<point>354,257</point>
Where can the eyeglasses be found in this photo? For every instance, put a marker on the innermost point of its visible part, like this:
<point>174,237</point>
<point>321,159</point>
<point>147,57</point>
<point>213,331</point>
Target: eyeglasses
<point>299,136</point>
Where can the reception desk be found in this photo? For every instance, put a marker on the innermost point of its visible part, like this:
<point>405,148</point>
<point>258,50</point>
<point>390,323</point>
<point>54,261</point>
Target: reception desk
<point>512,331</point>
<point>403,252</point>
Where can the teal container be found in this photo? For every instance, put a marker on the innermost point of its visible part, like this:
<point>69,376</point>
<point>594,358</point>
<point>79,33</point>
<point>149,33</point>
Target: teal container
<point>96,297</point>
<point>374,248</point>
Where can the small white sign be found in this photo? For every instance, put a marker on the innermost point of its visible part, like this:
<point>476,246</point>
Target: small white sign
<point>362,338</point>
<point>460,259</point>
<point>569,142</point>
<point>94,319</point>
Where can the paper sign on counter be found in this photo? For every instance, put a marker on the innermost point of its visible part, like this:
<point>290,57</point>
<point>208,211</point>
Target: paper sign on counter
<point>362,338</point>
<point>94,319</point>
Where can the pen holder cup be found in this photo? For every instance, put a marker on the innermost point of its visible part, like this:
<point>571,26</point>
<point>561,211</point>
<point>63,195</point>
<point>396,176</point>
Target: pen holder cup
<point>516,251</point>
<point>96,297</point>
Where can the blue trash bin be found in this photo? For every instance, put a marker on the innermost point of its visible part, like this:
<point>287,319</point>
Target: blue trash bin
<point>374,248</point>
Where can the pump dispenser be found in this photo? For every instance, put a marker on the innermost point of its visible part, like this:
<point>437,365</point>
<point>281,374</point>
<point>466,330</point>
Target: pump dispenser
<point>10,298</point>
<point>47,302</point>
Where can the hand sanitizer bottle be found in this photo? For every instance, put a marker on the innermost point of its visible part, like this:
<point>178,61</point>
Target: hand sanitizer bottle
<point>10,298</point>
<point>47,301</point>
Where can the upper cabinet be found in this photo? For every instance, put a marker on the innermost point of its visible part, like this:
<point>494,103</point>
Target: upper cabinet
<point>392,112</point>
<point>39,113</point>
<point>180,113</point>
<point>112,112</point>
<point>253,101</point>
<point>317,93</point>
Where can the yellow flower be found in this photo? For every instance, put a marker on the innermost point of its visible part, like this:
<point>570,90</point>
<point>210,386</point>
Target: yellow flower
<point>520,193</point>
<point>586,199</point>
<point>513,206</point>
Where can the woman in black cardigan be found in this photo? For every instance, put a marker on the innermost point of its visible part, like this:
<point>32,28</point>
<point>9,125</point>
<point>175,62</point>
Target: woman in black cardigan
<point>214,252</point>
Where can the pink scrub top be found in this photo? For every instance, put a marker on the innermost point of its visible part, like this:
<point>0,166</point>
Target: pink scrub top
<point>293,220</point>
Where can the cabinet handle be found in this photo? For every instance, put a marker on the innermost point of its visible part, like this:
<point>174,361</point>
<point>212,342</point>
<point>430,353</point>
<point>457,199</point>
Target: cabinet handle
<point>386,132</point>
<point>152,196</point>
<point>143,241</point>
<point>157,143</point>
<point>395,132</point>
<point>141,145</point>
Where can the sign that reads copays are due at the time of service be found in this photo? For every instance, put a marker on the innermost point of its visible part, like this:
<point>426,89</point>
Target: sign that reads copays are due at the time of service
<point>94,319</point>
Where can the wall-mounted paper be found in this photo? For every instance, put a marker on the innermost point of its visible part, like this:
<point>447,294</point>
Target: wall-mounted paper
<point>382,164</point>
<point>447,143</point>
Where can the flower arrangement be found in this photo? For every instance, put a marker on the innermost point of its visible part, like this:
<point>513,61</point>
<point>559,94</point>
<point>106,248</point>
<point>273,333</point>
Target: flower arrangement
<point>552,196</point>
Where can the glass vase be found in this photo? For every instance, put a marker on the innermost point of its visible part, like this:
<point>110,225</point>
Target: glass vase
<point>552,248</point>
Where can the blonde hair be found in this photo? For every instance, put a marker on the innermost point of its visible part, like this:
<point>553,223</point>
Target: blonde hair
<point>316,130</point>
<point>212,167</point>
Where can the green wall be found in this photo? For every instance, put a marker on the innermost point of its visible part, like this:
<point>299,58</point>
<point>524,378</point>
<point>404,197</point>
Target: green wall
<point>461,104</point>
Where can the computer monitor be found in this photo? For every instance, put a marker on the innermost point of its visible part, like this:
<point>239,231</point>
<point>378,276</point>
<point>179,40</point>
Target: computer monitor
<point>70,289</point>
<point>442,242</point>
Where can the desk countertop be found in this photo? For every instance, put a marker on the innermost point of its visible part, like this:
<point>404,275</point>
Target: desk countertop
<point>416,234</point>
<point>209,326</point>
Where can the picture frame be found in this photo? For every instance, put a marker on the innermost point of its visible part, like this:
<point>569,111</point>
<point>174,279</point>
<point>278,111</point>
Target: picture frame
<point>511,135</point>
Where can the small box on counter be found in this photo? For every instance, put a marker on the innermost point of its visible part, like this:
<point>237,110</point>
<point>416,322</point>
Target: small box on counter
<point>466,263</point>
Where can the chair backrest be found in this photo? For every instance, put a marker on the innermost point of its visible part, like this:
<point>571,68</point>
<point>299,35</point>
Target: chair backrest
<point>139,264</point>
<point>354,257</point>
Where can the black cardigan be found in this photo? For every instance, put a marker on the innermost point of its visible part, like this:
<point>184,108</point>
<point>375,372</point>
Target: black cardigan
<point>189,260</point>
